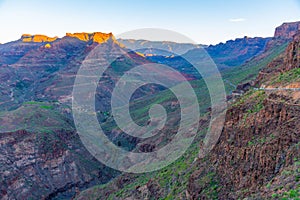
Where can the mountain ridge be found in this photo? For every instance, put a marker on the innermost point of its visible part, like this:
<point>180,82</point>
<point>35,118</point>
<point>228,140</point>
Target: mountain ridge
<point>287,30</point>
<point>256,157</point>
<point>96,37</point>
<point>36,85</point>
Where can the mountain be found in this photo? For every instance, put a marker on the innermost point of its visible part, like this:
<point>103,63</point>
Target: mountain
<point>287,30</point>
<point>242,76</point>
<point>260,138</point>
<point>237,52</point>
<point>286,62</point>
<point>32,71</point>
<point>257,155</point>
<point>232,53</point>
<point>164,48</point>
<point>37,78</point>
<point>42,156</point>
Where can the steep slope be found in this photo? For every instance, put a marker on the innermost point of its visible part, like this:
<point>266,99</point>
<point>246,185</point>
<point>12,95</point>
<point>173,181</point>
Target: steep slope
<point>258,153</point>
<point>259,147</point>
<point>236,52</point>
<point>287,30</point>
<point>40,148</point>
<point>232,58</point>
<point>41,153</point>
<point>42,156</point>
<point>242,76</point>
<point>37,72</point>
<point>287,62</point>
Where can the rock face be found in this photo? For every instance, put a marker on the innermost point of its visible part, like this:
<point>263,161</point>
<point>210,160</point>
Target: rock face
<point>45,158</point>
<point>259,142</point>
<point>37,38</point>
<point>283,35</point>
<point>287,30</point>
<point>285,62</point>
<point>35,162</point>
<point>96,37</point>
<point>292,58</point>
<point>31,70</point>
<point>41,168</point>
<point>252,150</point>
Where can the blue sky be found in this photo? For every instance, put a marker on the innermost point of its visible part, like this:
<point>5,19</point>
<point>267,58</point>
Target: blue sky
<point>206,22</point>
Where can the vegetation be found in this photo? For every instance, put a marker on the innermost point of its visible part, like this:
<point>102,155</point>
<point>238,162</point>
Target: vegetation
<point>287,77</point>
<point>250,70</point>
<point>36,117</point>
<point>173,179</point>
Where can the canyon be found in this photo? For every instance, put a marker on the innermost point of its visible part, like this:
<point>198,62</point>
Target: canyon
<point>257,154</point>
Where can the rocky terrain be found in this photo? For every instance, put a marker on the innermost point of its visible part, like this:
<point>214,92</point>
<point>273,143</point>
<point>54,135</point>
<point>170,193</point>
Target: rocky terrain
<point>287,30</point>
<point>260,141</point>
<point>42,157</point>
<point>256,157</point>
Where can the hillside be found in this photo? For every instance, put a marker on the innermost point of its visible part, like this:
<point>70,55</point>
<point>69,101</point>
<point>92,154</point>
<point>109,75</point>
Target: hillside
<point>260,138</point>
<point>258,153</point>
<point>42,156</point>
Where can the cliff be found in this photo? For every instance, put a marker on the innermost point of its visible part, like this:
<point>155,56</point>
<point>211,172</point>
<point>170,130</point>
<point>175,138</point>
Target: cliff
<point>258,153</point>
<point>289,60</point>
<point>287,30</point>
<point>256,157</point>
<point>37,38</point>
<point>96,37</point>
<point>45,158</point>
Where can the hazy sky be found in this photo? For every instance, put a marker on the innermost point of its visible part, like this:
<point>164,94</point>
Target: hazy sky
<point>204,21</point>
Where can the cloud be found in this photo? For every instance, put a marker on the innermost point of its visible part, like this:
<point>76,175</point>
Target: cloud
<point>237,20</point>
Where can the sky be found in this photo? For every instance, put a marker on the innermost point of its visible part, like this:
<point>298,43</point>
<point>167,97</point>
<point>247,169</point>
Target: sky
<point>204,21</point>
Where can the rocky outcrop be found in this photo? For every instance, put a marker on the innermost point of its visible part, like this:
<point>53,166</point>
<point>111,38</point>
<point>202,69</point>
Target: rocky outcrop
<point>96,37</point>
<point>41,155</point>
<point>283,35</point>
<point>292,57</point>
<point>43,166</point>
<point>259,141</point>
<point>48,46</point>
<point>287,30</point>
<point>289,60</point>
<point>37,38</point>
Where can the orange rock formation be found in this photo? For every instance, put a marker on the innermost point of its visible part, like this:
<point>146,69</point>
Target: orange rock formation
<point>37,38</point>
<point>95,37</point>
